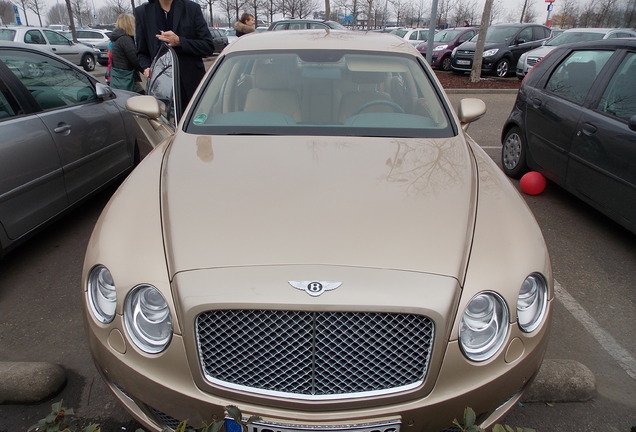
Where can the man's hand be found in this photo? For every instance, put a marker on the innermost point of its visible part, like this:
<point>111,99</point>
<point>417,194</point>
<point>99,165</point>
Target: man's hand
<point>169,37</point>
<point>147,72</point>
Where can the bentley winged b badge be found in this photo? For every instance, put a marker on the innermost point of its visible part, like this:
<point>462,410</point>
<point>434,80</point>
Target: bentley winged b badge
<point>315,288</point>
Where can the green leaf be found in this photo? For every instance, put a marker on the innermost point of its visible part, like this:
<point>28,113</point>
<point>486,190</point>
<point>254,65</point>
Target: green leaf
<point>469,417</point>
<point>509,429</point>
<point>458,424</point>
<point>254,419</point>
<point>234,413</point>
<point>218,426</point>
<point>498,428</point>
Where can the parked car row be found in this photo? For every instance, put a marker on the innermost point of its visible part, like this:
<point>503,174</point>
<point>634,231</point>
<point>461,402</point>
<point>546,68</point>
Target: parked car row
<point>53,41</point>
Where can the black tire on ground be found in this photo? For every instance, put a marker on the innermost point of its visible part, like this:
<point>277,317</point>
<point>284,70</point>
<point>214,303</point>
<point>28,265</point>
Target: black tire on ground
<point>513,153</point>
<point>502,68</point>
<point>88,62</point>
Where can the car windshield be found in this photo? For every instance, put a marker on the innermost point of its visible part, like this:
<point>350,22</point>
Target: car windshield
<point>571,37</point>
<point>498,34</point>
<point>399,32</point>
<point>336,26</point>
<point>7,34</point>
<point>315,92</point>
<point>446,35</point>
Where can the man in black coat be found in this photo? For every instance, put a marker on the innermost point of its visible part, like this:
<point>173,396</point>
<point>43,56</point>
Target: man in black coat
<point>180,24</point>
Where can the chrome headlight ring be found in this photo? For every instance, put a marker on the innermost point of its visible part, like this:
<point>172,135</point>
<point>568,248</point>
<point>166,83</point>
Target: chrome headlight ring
<point>484,326</point>
<point>102,295</point>
<point>147,319</point>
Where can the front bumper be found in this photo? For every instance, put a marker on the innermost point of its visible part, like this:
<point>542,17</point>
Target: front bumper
<point>162,393</point>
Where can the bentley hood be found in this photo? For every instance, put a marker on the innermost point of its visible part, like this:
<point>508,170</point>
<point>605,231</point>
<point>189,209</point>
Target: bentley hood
<point>404,204</point>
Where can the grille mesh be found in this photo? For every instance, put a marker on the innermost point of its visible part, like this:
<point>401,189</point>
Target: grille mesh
<point>314,353</point>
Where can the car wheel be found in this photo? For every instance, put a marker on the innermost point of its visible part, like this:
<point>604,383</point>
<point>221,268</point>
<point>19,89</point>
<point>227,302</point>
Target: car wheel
<point>502,68</point>
<point>446,63</point>
<point>513,153</point>
<point>88,62</point>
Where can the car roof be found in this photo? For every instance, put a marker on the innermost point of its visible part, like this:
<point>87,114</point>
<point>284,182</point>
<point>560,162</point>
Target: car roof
<point>603,43</point>
<point>321,39</point>
<point>595,30</point>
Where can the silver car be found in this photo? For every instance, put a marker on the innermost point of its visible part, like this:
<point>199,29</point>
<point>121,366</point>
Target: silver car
<point>77,53</point>
<point>64,136</point>
<point>531,58</point>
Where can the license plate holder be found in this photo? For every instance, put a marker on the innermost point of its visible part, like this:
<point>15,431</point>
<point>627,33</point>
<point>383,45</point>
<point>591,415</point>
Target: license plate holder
<point>462,62</point>
<point>383,426</point>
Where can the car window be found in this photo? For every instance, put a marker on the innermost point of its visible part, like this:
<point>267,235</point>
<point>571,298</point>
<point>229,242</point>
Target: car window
<point>8,105</point>
<point>466,36</point>
<point>52,83</point>
<point>524,36</point>
<point>55,38</point>
<point>34,37</point>
<point>619,99</point>
<point>7,34</point>
<point>317,26</point>
<point>573,78</point>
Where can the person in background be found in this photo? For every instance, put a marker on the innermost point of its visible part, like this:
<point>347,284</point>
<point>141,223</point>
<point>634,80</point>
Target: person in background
<point>124,53</point>
<point>246,24</point>
<point>180,24</point>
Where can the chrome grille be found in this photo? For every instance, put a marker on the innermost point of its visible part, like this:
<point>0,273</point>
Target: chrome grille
<point>314,353</point>
<point>533,60</point>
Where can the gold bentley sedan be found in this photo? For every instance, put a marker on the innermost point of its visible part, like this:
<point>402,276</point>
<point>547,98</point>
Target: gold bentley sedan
<point>317,240</point>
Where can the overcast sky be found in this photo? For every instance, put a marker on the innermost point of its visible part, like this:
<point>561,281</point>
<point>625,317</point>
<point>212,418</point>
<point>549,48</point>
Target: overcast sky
<point>512,8</point>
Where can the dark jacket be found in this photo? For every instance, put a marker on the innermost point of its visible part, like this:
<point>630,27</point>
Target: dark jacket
<point>124,52</point>
<point>188,23</point>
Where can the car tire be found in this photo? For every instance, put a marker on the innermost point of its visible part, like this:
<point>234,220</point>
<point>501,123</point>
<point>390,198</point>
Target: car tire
<point>446,63</point>
<point>88,62</point>
<point>502,68</point>
<point>513,153</point>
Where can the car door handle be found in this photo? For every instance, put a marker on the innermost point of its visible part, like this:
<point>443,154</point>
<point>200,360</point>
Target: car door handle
<point>63,129</point>
<point>588,129</point>
<point>536,102</point>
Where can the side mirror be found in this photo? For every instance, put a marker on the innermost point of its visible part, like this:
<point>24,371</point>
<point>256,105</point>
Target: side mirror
<point>104,92</point>
<point>632,123</point>
<point>470,110</point>
<point>145,106</point>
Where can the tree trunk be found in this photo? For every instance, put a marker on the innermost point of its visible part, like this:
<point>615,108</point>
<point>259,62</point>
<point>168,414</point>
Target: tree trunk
<point>475,73</point>
<point>327,10</point>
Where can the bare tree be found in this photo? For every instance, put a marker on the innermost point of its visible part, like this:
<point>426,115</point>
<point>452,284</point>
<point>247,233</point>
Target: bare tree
<point>23,5</point>
<point>568,13</point>
<point>475,73</point>
<point>57,14</point>
<point>530,14</point>
<point>38,7</point>
<point>207,4</point>
<point>606,15</point>
<point>465,10</point>
<point>6,12</point>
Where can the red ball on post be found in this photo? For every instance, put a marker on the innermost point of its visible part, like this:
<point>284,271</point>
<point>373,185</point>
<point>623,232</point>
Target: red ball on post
<point>532,183</point>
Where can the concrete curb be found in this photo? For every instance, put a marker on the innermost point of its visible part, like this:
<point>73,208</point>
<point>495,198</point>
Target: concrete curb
<point>29,382</point>
<point>561,381</point>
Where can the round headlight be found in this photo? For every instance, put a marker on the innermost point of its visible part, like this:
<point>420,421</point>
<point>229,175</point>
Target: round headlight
<point>532,302</point>
<point>147,318</point>
<point>484,326</point>
<point>102,296</point>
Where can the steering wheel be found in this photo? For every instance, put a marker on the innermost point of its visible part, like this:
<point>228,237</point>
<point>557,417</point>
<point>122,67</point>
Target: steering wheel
<point>396,107</point>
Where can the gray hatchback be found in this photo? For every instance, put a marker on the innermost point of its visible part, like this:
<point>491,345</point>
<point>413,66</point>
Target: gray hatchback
<point>64,136</point>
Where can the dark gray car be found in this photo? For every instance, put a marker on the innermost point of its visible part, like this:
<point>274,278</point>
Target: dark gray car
<point>504,44</point>
<point>64,136</point>
<point>575,122</point>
